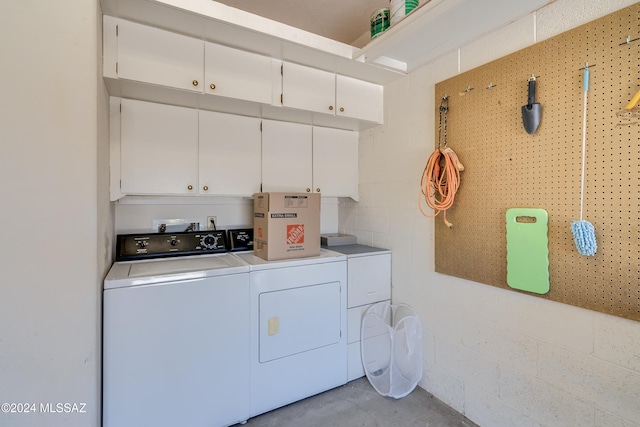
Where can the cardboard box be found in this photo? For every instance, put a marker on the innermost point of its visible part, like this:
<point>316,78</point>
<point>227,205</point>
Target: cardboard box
<point>286,225</point>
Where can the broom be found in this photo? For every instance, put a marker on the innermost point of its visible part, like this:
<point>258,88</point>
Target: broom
<point>583,232</point>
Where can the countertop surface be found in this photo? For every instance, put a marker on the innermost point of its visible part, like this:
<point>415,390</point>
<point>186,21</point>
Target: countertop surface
<point>160,270</point>
<point>357,249</point>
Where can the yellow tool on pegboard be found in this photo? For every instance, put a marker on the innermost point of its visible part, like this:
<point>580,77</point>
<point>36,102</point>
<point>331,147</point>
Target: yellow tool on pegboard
<point>634,101</point>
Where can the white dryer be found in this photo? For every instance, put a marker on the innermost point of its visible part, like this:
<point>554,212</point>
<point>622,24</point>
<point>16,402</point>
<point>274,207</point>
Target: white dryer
<point>298,328</point>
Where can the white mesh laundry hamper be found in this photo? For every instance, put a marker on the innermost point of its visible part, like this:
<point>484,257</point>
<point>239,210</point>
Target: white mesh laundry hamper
<point>391,341</point>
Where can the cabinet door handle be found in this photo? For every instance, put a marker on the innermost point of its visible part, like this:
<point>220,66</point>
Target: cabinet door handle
<point>342,109</point>
<point>308,190</point>
<point>330,107</point>
<point>318,190</point>
<point>212,86</point>
<point>195,83</point>
<point>205,188</point>
<point>190,187</point>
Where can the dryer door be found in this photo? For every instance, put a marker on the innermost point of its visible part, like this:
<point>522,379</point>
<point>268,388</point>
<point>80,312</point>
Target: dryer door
<point>296,320</point>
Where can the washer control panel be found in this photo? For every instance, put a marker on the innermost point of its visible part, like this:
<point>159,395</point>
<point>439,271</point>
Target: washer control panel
<point>158,245</point>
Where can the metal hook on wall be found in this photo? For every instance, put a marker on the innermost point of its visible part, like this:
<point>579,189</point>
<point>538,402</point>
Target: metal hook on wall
<point>444,103</point>
<point>466,91</point>
<point>491,86</point>
<point>629,40</point>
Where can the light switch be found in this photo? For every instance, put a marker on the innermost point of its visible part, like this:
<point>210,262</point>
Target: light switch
<point>274,325</point>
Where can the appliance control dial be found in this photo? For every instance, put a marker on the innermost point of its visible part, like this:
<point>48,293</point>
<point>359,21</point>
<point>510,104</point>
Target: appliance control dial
<point>210,241</point>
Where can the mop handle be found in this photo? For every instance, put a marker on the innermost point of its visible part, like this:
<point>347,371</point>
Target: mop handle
<point>584,133</point>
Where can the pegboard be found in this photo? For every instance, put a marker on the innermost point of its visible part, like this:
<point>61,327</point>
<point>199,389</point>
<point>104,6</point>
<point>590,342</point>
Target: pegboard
<point>505,167</point>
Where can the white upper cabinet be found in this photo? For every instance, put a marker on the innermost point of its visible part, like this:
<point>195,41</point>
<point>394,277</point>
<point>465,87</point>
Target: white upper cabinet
<point>303,158</point>
<point>323,92</point>
<point>335,162</point>
<point>144,54</point>
<point>150,55</point>
<point>159,148</point>
<point>151,64</point>
<point>168,150</point>
<point>286,157</point>
<point>359,99</point>
<point>230,155</point>
<point>237,74</point>
<point>308,88</point>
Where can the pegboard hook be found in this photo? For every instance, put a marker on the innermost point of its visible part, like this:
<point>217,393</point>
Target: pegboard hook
<point>442,127</point>
<point>629,40</point>
<point>491,86</point>
<point>466,91</point>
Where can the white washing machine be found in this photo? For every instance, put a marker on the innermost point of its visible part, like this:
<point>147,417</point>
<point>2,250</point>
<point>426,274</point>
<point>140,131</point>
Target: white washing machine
<point>176,348</point>
<point>298,328</point>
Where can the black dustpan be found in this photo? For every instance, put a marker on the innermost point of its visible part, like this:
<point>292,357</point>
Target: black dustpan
<point>532,112</point>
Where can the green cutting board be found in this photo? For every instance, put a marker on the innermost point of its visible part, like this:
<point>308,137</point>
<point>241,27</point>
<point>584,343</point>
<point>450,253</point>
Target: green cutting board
<point>527,250</point>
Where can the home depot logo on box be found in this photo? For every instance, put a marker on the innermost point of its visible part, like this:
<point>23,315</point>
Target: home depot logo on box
<point>295,234</point>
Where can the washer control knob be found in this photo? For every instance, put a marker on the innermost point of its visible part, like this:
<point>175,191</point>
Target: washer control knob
<point>209,241</point>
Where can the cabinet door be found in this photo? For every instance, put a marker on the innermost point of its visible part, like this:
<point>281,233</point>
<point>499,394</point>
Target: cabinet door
<point>159,148</point>
<point>359,99</point>
<point>159,57</point>
<point>286,156</point>
<point>308,88</point>
<point>229,158</point>
<point>335,162</point>
<point>237,74</point>
<point>369,279</point>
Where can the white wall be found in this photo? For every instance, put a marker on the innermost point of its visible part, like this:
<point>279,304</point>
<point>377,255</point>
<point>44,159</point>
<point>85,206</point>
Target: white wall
<point>51,268</point>
<point>502,358</point>
<point>136,214</point>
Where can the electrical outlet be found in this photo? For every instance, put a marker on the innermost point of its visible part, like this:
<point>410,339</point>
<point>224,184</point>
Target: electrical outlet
<point>212,223</point>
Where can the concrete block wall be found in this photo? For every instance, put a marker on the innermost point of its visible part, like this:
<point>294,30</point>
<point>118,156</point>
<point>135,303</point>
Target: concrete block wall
<point>500,357</point>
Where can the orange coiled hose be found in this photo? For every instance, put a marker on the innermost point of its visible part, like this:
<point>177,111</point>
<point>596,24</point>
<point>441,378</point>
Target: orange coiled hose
<point>441,176</point>
<point>440,182</point>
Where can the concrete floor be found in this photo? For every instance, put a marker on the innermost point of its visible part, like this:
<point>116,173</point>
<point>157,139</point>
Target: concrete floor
<point>358,404</point>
